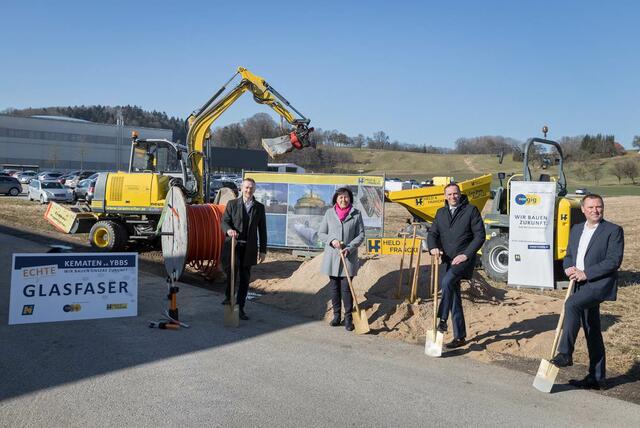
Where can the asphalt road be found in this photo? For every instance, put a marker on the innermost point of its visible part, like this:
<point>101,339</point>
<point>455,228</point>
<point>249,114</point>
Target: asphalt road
<point>275,370</point>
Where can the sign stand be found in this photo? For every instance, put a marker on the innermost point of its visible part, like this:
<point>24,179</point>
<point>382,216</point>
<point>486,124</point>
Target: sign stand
<point>171,320</point>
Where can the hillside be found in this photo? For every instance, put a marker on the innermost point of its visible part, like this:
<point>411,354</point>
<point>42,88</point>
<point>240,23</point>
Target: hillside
<point>421,166</point>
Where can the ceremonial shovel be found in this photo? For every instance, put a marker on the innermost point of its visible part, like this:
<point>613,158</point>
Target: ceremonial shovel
<point>547,372</point>
<point>360,321</point>
<point>231,313</point>
<point>435,338</point>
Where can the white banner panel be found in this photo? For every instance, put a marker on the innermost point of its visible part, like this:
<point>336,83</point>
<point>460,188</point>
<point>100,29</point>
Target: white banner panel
<point>73,286</point>
<point>531,213</point>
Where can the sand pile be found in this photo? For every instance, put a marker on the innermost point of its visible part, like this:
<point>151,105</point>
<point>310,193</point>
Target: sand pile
<point>498,320</point>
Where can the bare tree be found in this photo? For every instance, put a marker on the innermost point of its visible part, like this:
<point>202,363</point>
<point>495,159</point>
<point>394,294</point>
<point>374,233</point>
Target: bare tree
<point>616,170</point>
<point>596,173</point>
<point>630,169</point>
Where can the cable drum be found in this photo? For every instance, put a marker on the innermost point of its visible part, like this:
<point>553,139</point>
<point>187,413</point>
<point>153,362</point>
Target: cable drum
<point>191,235</point>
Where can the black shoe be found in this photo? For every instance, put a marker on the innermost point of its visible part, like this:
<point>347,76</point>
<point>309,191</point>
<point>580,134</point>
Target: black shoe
<point>348,323</point>
<point>562,360</point>
<point>589,383</point>
<point>336,321</point>
<point>243,316</point>
<point>456,343</point>
<point>442,326</point>
<point>226,302</point>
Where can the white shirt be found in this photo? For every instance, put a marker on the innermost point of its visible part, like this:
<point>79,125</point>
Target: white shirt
<point>587,233</point>
<point>452,210</point>
<point>248,204</point>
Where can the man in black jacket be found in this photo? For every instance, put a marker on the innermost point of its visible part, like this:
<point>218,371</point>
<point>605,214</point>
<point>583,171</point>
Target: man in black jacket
<point>457,233</point>
<point>245,219</point>
<point>594,255</point>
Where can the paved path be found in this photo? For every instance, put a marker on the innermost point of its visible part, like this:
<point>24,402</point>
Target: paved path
<point>275,370</point>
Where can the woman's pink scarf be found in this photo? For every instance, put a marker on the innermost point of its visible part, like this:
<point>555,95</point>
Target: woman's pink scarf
<point>342,212</point>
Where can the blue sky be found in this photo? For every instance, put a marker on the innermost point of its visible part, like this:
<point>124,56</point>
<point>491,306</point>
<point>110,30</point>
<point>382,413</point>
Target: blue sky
<point>423,72</point>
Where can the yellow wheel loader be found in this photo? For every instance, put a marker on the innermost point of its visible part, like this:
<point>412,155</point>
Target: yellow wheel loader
<point>495,252</point>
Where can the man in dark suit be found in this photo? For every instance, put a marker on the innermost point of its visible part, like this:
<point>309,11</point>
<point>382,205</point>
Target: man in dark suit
<point>457,233</point>
<point>244,218</point>
<point>593,258</point>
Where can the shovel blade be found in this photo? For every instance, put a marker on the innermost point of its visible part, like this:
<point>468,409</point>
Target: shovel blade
<point>277,146</point>
<point>360,322</point>
<point>546,376</point>
<point>433,344</point>
<point>231,316</point>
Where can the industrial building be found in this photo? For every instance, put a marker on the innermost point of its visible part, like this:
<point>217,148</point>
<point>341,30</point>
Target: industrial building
<point>61,143</point>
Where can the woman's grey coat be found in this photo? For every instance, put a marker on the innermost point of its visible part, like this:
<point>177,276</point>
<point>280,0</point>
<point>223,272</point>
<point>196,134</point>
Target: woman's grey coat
<point>350,231</point>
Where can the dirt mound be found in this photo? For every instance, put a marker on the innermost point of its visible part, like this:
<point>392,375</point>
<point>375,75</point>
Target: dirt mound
<point>497,320</point>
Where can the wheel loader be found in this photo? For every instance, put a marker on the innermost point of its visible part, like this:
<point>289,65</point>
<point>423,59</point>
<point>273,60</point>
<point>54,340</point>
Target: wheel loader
<point>495,252</point>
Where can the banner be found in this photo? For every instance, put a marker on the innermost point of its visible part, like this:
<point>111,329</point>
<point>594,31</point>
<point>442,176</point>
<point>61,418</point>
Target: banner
<point>531,213</point>
<point>295,204</point>
<point>74,286</point>
<point>377,246</point>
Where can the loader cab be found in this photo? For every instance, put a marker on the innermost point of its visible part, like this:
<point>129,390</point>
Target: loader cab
<point>157,156</point>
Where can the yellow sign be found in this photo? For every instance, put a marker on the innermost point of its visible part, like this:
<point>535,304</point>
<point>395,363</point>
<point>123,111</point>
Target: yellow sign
<point>60,217</point>
<point>346,180</point>
<point>391,245</point>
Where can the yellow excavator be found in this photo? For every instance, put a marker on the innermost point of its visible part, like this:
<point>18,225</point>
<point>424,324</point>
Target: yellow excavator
<point>128,205</point>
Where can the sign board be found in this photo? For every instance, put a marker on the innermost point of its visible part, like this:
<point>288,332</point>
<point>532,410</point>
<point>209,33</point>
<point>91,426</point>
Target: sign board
<point>392,245</point>
<point>296,203</point>
<point>531,213</point>
<point>69,220</point>
<point>65,287</point>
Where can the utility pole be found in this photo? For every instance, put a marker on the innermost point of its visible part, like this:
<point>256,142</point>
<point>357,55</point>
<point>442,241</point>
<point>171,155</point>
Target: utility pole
<point>119,136</point>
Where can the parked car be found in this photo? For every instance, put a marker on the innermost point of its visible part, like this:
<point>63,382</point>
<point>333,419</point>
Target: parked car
<point>49,175</point>
<point>10,185</point>
<point>26,176</point>
<point>84,189</point>
<point>76,178</point>
<point>46,191</point>
<point>216,185</point>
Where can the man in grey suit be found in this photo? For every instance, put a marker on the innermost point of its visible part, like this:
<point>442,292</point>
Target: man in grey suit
<point>593,258</point>
<point>244,218</point>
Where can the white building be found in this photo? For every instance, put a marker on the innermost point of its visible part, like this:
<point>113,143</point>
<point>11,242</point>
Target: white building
<point>61,143</point>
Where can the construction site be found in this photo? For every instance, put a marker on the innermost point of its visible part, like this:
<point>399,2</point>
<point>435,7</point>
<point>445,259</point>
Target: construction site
<point>401,214</point>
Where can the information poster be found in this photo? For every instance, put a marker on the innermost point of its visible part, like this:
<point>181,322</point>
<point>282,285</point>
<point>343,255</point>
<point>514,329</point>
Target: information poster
<point>531,213</point>
<point>296,203</point>
<point>74,286</point>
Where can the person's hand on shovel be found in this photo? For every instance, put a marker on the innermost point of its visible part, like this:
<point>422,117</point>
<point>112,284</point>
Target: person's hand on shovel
<point>435,252</point>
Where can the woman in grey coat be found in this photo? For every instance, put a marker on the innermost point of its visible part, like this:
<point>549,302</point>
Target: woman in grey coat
<point>341,229</point>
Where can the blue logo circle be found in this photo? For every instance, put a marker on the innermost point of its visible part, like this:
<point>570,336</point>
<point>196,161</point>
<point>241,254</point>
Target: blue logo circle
<point>521,199</point>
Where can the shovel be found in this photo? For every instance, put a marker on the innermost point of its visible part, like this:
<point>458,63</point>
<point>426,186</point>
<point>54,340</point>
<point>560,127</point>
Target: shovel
<point>360,321</point>
<point>547,372</point>
<point>404,245</point>
<point>435,338</point>
<point>231,312</point>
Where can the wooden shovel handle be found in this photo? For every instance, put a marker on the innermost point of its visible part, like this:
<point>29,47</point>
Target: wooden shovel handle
<point>346,270</point>
<point>233,271</point>
<point>561,320</point>
<point>404,244</point>
<point>435,267</point>
<point>413,245</point>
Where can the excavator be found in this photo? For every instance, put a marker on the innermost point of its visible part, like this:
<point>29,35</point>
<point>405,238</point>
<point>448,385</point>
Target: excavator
<point>128,205</point>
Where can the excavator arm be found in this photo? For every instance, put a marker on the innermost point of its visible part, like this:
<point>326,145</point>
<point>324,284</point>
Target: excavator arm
<point>200,121</point>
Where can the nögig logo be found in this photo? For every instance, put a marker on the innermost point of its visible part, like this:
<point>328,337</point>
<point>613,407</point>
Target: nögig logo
<point>72,308</point>
<point>530,199</point>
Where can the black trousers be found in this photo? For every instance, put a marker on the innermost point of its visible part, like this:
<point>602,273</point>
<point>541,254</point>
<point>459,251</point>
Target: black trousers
<point>452,299</point>
<point>341,294</point>
<point>242,279</point>
<point>583,308</point>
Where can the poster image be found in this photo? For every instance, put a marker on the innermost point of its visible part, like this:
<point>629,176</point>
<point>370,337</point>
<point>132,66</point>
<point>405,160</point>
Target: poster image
<point>302,231</point>
<point>273,196</point>
<point>310,199</point>
<point>295,204</point>
<point>276,230</point>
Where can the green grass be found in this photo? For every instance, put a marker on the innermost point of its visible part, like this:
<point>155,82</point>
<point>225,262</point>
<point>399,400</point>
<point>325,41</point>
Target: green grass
<point>420,166</point>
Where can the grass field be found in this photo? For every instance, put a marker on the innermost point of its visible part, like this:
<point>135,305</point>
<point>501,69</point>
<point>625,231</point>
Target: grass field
<point>420,166</point>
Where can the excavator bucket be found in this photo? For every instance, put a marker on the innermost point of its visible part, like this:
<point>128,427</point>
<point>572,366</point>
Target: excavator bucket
<point>295,140</point>
<point>277,146</point>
